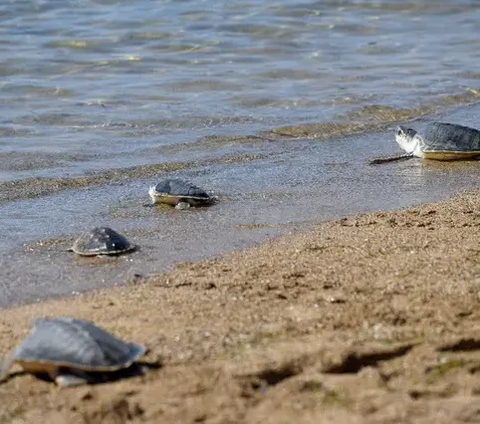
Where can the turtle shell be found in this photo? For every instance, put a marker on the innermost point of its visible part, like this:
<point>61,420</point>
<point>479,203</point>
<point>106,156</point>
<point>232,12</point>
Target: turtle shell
<point>451,138</point>
<point>172,191</point>
<point>101,241</point>
<point>77,344</point>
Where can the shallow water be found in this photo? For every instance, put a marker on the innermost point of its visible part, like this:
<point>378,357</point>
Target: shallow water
<point>99,99</point>
<point>300,182</point>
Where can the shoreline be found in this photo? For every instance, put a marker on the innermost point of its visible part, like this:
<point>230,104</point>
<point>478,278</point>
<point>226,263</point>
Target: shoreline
<point>265,192</point>
<point>302,182</point>
<point>367,119</point>
<point>369,318</point>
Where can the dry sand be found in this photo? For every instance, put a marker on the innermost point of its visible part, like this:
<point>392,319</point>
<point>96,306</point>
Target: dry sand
<point>370,319</point>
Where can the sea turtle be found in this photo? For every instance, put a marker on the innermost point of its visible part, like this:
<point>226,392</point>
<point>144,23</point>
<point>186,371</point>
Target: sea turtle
<point>440,141</point>
<point>101,241</point>
<point>180,194</point>
<point>71,352</point>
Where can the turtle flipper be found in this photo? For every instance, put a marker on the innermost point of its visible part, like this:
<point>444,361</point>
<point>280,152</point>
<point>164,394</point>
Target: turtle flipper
<point>182,205</point>
<point>6,365</point>
<point>67,380</point>
<point>72,377</point>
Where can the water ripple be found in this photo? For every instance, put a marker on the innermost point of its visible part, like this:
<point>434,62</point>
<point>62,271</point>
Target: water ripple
<point>91,75</point>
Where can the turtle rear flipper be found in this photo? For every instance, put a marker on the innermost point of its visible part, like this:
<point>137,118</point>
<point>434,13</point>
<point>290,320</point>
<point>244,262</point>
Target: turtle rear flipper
<point>6,365</point>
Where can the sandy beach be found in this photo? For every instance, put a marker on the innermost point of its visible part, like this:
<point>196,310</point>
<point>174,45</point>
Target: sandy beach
<point>320,288</point>
<point>368,319</point>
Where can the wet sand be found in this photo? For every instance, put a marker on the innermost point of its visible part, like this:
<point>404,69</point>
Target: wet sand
<point>367,319</point>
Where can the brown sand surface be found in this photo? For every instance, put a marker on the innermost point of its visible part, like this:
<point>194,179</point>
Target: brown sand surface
<point>369,319</point>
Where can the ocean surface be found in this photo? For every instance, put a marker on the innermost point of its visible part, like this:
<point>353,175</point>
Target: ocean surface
<point>274,105</point>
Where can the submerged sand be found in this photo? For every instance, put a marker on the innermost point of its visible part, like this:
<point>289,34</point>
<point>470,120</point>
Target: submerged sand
<point>368,319</point>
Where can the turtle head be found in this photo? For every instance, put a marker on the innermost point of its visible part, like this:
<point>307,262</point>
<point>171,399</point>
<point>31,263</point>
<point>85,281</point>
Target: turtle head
<point>405,137</point>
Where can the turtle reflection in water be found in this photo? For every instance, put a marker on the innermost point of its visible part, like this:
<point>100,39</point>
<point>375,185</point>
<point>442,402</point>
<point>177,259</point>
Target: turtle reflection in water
<point>101,241</point>
<point>180,194</point>
<point>440,141</point>
<point>72,352</point>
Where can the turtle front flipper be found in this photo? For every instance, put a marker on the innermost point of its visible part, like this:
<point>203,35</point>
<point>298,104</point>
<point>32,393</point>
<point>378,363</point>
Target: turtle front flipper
<point>182,204</point>
<point>68,380</point>
<point>67,377</point>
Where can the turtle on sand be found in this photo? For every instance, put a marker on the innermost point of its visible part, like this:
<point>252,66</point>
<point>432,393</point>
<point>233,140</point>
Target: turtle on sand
<point>101,241</point>
<point>440,141</point>
<point>180,194</point>
<point>71,352</point>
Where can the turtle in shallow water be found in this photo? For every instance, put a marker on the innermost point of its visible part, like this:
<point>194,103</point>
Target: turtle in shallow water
<point>180,194</point>
<point>71,352</point>
<point>440,141</point>
<point>101,241</point>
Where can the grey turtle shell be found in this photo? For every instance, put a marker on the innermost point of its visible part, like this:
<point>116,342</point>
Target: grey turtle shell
<point>101,241</point>
<point>444,137</point>
<point>176,190</point>
<point>76,344</point>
